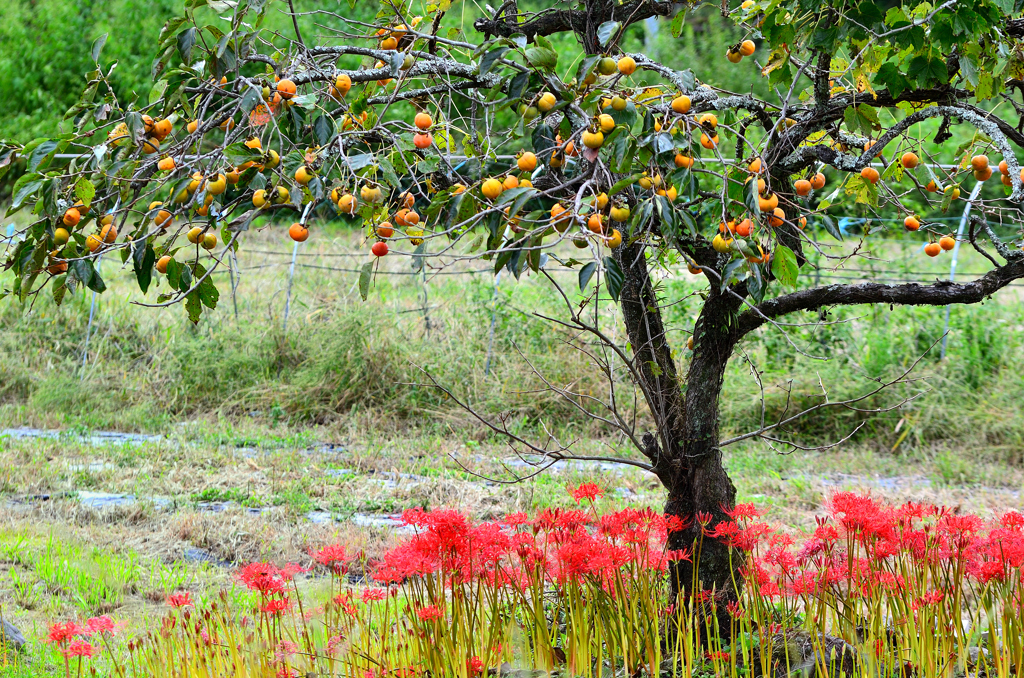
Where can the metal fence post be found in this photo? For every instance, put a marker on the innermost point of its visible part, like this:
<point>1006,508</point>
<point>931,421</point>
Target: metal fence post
<point>288,295</point>
<point>494,320</point>
<point>956,251</point>
<point>235,277</point>
<point>291,269</point>
<point>88,328</point>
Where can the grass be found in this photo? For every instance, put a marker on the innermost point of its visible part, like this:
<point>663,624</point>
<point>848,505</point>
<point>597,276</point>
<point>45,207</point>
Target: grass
<point>352,365</point>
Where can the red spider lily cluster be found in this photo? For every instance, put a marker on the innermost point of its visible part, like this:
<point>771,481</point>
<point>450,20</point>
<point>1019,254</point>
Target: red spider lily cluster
<point>916,586</point>
<point>74,639</point>
<point>558,546</point>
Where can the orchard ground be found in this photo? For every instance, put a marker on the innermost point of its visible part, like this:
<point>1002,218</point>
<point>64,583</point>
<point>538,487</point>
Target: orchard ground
<point>260,443</point>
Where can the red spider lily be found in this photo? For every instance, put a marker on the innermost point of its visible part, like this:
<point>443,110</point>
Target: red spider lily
<point>286,672</point>
<point>374,594</point>
<point>182,599</point>
<point>703,518</point>
<point>742,512</point>
<point>285,649</point>
<point>587,491</point>
<point>277,606</point>
<point>100,625</point>
<point>334,644</point>
<point>861,516</point>
<point>289,570</point>
<point>676,523</point>
<point>344,600</point>
<point>79,648</point>
<point>517,519</point>
<point>931,598</point>
<point>62,633</point>
<point>263,577</point>
<point>332,557</point>
<point>430,612</point>
<point>475,666</point>
<point>1013,520</point>
<point>562,525</point>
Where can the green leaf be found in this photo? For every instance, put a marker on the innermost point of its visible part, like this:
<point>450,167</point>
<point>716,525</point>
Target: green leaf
<point>185,279</point>
<point>488,60</point>
<point>784,266</point>
<point>729,272</point>
<point>388,170</point>
<point>83,270</point>
<point>890,76</point>
<point>428,165</point>
<point>143,259</point>
<point>587,65</point>
<point>751,199</point>
<point>193,306</point>
<point>157,91</point>
<point>586,273</point>
<point>830,226</point>
<point>136,125</point>
<point>25,189</point>
<point>59,287</point>
<point>542,58</point>
<point>624,183</point>
<point>42,152</point>
<point>613,277</point>
<point>543,140</point>
<point>323,129</point>
<point>208,293</point>
<point>97,47</point>
<point>186,41</point>
<point>84,190</point>
<point>927,70</point>
<point>251,99</point>
<point>518,85</point>
<point>238,153</point>
<point>755,283</point>
<point>867,117</point>
<point>364,279</point>
<point>607,31</point>
<point>677,24</point>
<point>173,273</point>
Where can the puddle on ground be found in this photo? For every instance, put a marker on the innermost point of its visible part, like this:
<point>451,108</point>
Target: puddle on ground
<point>96,438</point>
<point>198,555</point>
<point>107,438</point>
<point>104,500</point>
<point>894,484</point>
<point>392,522</point>
<point>92,467</point>
<point>221,506</point>
<point>563,466</point>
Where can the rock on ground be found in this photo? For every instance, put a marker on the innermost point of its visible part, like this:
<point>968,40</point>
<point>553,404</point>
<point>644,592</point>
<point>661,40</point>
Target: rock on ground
<point>11,636</point>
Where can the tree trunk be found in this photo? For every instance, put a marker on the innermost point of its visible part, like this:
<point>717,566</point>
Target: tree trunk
<point>703,489</point>
<point>684,452</point>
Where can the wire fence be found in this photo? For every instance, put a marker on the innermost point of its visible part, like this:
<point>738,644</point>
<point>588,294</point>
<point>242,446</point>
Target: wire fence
<point>263,261</point>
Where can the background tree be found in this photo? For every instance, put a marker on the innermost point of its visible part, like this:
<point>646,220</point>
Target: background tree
<point>405,123</point>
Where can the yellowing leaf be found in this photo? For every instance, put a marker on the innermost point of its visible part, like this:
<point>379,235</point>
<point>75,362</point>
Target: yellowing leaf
<point>779,57</point>
<point>650,93</point>
<point>864,85</point>
<point>260,115</point>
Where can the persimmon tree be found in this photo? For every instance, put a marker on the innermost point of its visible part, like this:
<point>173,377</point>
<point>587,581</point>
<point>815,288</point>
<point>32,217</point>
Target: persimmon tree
<point>488,141</point>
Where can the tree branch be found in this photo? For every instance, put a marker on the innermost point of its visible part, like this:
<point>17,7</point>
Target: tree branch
<point>939,293</point>
<point>562,20</point>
